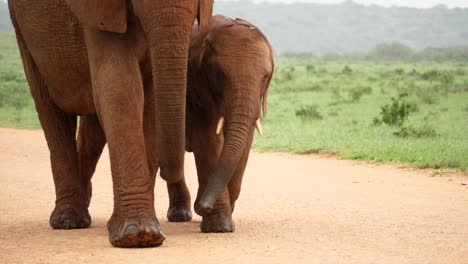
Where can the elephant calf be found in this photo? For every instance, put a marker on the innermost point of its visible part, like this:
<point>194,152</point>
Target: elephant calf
<point>230,68</point>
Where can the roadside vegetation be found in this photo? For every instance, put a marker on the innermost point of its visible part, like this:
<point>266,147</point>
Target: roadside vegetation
<point>411,110</point>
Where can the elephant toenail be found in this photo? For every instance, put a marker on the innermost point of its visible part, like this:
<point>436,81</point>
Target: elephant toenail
<point>162,233</point>
<point>131,230</point>
<point>66,223</point>
<point>115,238</point>
<point>151,229</point>
<point>86,222</point>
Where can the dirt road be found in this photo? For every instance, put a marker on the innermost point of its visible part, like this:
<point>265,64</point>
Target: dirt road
<point>293,209</point>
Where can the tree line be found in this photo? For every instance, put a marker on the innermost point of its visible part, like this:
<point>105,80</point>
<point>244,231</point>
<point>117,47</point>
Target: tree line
<point>341,28</point>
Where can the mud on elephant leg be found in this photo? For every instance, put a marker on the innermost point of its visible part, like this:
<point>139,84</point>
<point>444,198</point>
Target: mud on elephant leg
<point>91,142</point>
<point>119,104</point>
<point>71,210</point>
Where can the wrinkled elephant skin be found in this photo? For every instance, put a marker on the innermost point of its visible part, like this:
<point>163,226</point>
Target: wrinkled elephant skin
<point>231,65</point>
<point>97,60</point>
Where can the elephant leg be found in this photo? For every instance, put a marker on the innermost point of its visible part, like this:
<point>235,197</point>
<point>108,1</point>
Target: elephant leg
<point>91,142</point>
<point>207,149</point>
<point>179,202</point>
<point>236,180</point>
<point>118,96</point>
<point>179,209</point>
<point>149,128</point>
<point>179,195</point>
<point>71,208</point>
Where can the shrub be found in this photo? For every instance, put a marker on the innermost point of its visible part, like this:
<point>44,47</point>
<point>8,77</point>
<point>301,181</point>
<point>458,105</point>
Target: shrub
<point>315,88</point>
<point>357,92</point>
<point>346,70</point>
<point>336,91</point>
<point>391,52</point>
<point>399,71</point>
<point>460,71</point>
<point>426,96</point>
<point>395,113</point>
<point>413,72</point>
<point>416,132</point>
<point>309,112</point>
<point>310,68</point>
<point>447,79</point>
<point>430,75</point>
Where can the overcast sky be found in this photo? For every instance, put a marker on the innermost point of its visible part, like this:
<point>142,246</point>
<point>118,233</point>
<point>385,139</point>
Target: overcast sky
<point>412,3</point>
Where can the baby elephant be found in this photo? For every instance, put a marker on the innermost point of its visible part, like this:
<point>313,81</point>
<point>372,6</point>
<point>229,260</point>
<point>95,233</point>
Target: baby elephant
<point>230,68</point>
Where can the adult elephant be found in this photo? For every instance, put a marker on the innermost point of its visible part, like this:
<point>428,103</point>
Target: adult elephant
<point>86,57</point>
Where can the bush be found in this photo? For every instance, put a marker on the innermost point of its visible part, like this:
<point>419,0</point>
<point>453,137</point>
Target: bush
<point>309,112</point>
<point>399,71</point>
<point>416,132</point>
<point>395,113</point>
<point>427,96</point>
<point>336,92</point>
<point>357,92</point>
<point>460,71</point>
<point>413,72</point>
<point>346,70</point>
<point>310,68</point>
<point>315,88</point>
<point>391,52</point>
<point>430,75</point>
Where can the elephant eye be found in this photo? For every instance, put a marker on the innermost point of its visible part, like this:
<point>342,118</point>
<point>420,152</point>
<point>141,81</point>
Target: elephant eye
<point>265,78</point>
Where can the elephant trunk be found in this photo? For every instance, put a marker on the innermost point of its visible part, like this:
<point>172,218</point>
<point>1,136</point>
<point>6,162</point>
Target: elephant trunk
<point>239,121</point>
<point>168,29</point>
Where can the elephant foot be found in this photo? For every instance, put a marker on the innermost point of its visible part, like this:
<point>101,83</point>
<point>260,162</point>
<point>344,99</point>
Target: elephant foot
<point>135,232</point>
<point>179,204</point>
<point>217,223</point>
<point>179,214</point>
<point>70,217</point>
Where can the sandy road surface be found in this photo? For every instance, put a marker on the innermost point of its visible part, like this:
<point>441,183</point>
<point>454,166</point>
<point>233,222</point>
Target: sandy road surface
<point>293,209</point>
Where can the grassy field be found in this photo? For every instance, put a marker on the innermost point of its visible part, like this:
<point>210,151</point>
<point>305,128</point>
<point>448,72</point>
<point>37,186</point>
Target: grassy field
<point>328,106</point>
<point>416,113</point>
<point>16,104</point>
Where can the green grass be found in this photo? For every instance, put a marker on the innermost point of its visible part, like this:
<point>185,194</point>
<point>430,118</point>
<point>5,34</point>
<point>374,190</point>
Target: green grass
<point>16,104</point>
<point>349,95</point>
<point>327,106</point>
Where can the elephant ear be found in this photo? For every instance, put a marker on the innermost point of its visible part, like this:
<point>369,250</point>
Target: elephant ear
<point>263,99</point>
<point>204,13</point>
<point>109,15</point>
<point>265,94</point>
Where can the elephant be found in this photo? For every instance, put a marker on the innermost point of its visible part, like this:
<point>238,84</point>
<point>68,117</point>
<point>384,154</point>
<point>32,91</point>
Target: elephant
<point>230,69</point>
<point>97,60</point>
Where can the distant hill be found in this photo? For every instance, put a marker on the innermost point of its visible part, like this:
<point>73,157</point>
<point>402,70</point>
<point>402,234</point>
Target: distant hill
<point>343,28</point>
<point>350,27</point>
